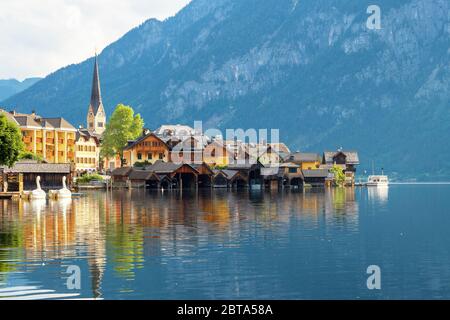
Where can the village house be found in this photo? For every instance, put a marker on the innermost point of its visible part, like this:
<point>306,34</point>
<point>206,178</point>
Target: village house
<point>87,151</point>
<point>292,174</point>
<point>148,148</point>
<point>348,160</point>
<point>181,132</point>
<point>268,156</point>
<point>189,150</point>
<point>216,154</point>
<point>307,161</point>
<point>53,139</point>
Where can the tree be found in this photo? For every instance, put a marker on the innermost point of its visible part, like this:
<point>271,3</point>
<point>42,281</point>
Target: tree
<point>123,126</point>
<point>11,145</point>
<point>339,175</point>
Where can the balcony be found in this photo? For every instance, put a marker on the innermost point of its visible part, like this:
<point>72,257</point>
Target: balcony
<point>50,141</point>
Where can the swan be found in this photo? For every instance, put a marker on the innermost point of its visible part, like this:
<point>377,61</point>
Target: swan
<point>38,194</point>
<point>64,193</point>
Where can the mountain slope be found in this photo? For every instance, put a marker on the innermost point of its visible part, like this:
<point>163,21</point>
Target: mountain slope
<point>310,68</point>
<point>11,87</point>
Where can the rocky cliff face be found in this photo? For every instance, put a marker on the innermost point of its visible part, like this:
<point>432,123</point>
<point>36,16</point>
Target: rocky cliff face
<point>311,68</point>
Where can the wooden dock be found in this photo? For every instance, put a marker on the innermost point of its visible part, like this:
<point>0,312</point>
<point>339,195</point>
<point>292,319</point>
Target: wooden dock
<point>9,195</point>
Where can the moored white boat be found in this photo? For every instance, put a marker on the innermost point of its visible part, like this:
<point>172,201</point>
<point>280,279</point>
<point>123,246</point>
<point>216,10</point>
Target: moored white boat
<point>377,181</point>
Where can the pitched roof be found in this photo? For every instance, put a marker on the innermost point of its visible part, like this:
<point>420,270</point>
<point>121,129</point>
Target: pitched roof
<point>304,157</point>
<point>30,166</point>
<point>198,166</point>
<point>87,134</point>
<point>96,96</point>
<point>121,172</point>
<point>319,173</point>
<point>164,167</point>
<point>58,123</point>
<point>230,173</point>
<point>351,156</point>
<point>8,116</point>
<point>280,147</point>
<point>243,166</point>
<point>178,130</point>
<point>132,144</point>
<point>27,121</point>
<point>141,174</point>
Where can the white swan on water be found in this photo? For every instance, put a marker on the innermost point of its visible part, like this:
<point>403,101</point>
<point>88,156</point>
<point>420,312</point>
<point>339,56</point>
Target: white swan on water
<point>64,193</point>
<point>38,194</point>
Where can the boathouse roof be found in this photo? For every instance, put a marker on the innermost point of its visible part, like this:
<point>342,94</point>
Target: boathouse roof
<point>304,157</point>
<point>318,173</point>
<point>31,166</point>
<point>141,174</point>
<point>166,167</point>
<point>121,172</point>
<point>350,156</point>
<point>230,174</point>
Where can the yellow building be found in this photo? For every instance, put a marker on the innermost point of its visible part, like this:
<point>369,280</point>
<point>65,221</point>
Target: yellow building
<point>87,151</point>
<point>53,139</point>
<point>307,161</point>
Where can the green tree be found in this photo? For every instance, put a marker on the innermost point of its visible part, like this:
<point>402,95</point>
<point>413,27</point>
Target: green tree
<point>123,126</point>
<point>339,175</point>
<point>11,145</point>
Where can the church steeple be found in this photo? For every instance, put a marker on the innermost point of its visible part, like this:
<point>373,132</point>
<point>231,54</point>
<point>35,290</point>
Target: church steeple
<point>96,117</point>
<point>96,96</point>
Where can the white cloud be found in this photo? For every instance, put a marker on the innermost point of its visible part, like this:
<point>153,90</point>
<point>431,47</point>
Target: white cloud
<point>39,36</point>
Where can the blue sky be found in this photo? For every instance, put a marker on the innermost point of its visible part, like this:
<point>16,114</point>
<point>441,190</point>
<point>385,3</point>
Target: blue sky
<point>39,37</point>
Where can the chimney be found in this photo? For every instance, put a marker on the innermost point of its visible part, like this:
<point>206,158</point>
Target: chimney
<point>145,131</point>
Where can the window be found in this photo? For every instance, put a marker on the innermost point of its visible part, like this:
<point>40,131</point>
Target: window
<point>91,124</point>
<point>161,156</point>
<point>139,156</point>
<point>100,124</point>
<point>149,156</point>
<point>292,170</point>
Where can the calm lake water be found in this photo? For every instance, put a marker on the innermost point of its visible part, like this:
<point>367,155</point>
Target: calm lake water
<point>231,245</point>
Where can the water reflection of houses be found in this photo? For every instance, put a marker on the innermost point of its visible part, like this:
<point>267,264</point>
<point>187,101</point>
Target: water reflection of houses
<point>130,229</point>
<point>342,206</point>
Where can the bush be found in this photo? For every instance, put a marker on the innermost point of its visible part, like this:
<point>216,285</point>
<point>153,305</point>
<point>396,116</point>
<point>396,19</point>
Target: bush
<point>142,164</point>
<point>26,155</point>
<point>220,167</point>
<point>88,178</point>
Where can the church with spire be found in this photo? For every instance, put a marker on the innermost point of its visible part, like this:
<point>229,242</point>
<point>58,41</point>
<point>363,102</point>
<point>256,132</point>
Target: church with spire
<point>96,117</point>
